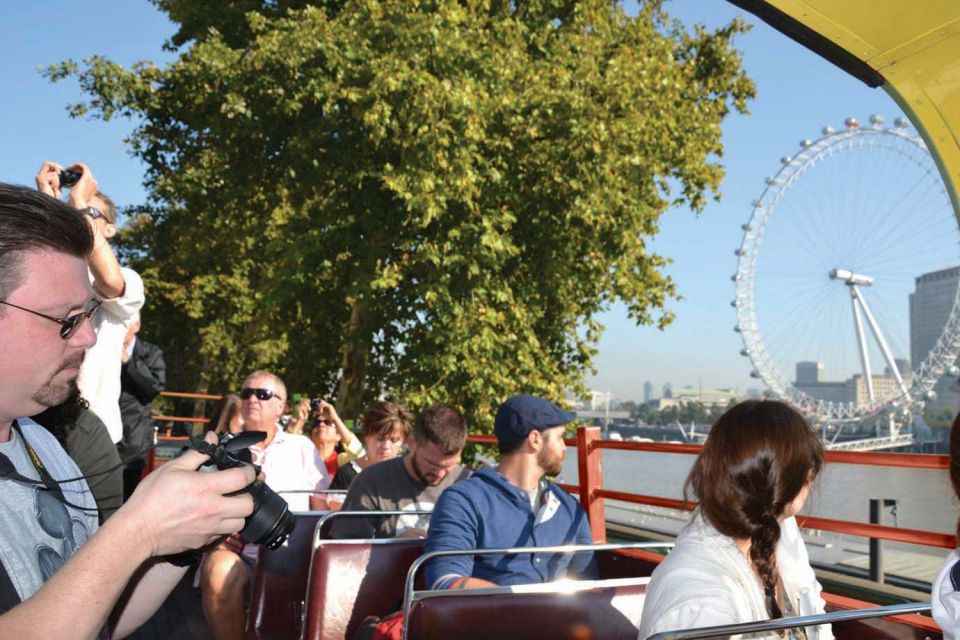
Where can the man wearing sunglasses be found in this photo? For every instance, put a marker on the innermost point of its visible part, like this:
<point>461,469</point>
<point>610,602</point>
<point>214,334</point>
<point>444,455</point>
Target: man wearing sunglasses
<point>120,289</point>
<point>290,463</point>
<point>60,575</point>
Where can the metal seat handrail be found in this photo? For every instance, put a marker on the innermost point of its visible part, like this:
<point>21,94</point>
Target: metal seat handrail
<point>727,630</point>
<point>337,514</point>
<point>409,593</point>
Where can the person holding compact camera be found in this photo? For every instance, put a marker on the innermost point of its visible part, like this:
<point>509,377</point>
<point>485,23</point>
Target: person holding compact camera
<point>292,467</point>
<point>336,443</point>
<point>119,288</point>
<point>61,574</point>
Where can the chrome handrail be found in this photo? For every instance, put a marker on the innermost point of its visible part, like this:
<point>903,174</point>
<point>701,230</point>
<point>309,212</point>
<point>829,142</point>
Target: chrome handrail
<point>336,514</point>
<point>727,630</point>
<point>408,591</point>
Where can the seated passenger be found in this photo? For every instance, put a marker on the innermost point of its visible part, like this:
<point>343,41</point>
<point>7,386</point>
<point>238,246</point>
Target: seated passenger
<point>411,483</point>
<point>288,462</point>
<point>513,505</point>
<point>741,557</point>
<point>945,594</point>
<point>383,428</point>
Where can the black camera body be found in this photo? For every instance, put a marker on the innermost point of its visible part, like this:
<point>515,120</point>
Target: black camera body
<point>271,522</point>
<point>315,404</point>
<point>69,178</point>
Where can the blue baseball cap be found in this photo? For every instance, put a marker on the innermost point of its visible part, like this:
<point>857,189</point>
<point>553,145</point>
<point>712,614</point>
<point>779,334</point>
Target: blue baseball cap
<point>520,415</point>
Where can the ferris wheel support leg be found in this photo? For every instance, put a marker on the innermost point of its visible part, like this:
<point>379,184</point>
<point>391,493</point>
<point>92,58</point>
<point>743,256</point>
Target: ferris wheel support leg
<point>862,343</point>
<point>882,342</point>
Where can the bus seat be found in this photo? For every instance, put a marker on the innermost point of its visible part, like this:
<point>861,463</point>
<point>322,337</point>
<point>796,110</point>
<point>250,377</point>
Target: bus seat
<point>352,579</point>
<point>280,583</point>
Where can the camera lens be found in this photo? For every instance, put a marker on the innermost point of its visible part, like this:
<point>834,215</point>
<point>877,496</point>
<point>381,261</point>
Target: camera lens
<point>271,522</point>
<point>69,178</point>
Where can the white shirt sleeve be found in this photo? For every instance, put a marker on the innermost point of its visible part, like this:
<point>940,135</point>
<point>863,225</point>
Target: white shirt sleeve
<point>124,307</point>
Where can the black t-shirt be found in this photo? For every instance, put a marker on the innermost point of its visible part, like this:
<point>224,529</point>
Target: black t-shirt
<point>344,476</point>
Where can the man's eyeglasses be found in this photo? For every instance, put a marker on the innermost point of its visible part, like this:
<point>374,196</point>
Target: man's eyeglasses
<point>68,325</point>
<point>262,394</point>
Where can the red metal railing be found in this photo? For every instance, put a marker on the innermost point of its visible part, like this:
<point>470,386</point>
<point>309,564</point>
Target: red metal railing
<point>592,494</point>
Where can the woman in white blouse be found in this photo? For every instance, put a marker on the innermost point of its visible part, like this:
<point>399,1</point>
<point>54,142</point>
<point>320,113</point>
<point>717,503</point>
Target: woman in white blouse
<point>945,594</point>
<point>741,558</point>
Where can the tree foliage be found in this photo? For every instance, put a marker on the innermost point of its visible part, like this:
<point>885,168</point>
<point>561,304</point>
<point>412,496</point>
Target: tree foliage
<point>436,197</point>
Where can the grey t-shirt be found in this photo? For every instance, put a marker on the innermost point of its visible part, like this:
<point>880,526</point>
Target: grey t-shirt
<point>38,533</point>
<point>387,486</point>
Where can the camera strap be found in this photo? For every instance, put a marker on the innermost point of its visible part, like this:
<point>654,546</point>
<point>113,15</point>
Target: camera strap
<point>52,485</point>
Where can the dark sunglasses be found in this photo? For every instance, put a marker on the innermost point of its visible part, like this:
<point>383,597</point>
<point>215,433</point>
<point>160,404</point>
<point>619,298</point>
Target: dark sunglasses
<point>262,394</point>
<point>68,325</point>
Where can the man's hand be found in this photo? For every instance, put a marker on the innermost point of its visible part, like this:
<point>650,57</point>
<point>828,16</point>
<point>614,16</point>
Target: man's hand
<point>178,509</point>
<point>86,187</point>
<point>48,179</point>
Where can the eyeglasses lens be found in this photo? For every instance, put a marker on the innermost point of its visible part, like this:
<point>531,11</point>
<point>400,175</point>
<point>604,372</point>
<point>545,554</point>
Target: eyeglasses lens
<point>262,394</point>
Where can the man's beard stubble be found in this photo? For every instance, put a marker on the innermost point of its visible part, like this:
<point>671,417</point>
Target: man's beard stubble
<point>51,394</point>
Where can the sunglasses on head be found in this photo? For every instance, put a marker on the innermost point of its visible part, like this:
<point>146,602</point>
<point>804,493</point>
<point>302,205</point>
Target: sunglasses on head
<point>68,325</point>
<point>262,394</point>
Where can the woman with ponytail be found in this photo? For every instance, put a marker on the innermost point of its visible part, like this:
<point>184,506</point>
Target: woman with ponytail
<point>741,558</point>
<point>945,594</point>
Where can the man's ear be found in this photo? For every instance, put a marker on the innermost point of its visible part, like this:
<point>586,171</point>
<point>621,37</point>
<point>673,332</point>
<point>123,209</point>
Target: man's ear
<point>109,230</point>
<point>535,440</point>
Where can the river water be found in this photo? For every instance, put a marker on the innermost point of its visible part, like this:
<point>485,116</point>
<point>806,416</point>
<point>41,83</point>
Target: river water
<point>924,500</point>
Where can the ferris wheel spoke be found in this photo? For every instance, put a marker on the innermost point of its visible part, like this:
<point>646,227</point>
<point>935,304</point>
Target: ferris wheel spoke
<point>863,202</point>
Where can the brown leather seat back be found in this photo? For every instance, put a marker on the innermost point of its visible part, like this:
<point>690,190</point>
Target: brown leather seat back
<point>280,584</point>
<point>353,579</point>
<point>608,613</point>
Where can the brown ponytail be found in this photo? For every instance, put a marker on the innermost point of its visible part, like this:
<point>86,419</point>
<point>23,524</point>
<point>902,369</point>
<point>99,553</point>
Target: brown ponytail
<point>758,457</point>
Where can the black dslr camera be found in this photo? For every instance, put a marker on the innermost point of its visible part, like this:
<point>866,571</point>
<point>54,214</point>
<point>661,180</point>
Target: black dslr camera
<point>271,522</point>
<point>315,404</point>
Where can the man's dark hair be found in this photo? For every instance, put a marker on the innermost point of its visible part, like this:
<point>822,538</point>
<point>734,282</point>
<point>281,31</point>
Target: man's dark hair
<point>33,221</point>
<point>442,425</point>
<point>508,448</point>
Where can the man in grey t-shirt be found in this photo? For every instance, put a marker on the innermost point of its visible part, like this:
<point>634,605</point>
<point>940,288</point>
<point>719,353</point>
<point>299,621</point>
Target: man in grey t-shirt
<point>411,483</point>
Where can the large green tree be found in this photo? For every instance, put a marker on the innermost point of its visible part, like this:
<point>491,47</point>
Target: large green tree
<point>434,197</point>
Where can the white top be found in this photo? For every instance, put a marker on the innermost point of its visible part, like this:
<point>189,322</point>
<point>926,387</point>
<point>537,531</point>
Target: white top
<point>292,462</point>
<point>99,379</point>
<point>945,599</point>
<point>706,581</point>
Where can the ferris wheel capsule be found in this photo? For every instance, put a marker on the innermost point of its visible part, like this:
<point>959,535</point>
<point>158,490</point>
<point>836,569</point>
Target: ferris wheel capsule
<point>851,123</point>
<point>786,160</point>
<point>901,123</point>
<point>828,130</point>
<point>953,370</point>
<point>876,119</point>
<point>806,142</point>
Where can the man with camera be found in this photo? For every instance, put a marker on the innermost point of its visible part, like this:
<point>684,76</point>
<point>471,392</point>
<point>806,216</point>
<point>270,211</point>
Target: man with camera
<point>290,463</point>
<point>120,289</point>
<point>61,576</point>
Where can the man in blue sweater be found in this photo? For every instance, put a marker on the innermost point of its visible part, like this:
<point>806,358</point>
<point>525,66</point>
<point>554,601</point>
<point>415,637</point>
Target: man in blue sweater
<point>513,505</point>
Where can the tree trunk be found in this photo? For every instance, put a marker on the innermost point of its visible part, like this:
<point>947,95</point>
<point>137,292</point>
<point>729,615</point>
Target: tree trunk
<point>355,353</point>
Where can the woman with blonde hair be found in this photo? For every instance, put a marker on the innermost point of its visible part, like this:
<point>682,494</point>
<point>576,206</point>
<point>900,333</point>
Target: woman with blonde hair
<point>741,557</point>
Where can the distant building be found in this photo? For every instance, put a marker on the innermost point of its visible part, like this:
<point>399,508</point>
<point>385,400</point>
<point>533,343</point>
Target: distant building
<point>667,391</point>
<point>647,391</point>
<point>930,306</point>
<point>836,392</point>
<point>707,397</point>
<point>884,388</point>
<point>809,373</point>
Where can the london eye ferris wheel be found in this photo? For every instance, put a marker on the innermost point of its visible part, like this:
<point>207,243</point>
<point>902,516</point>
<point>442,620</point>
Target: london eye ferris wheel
<point>828,267</point>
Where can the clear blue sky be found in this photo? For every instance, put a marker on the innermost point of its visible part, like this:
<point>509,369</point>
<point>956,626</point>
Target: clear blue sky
<point>798,93</point>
